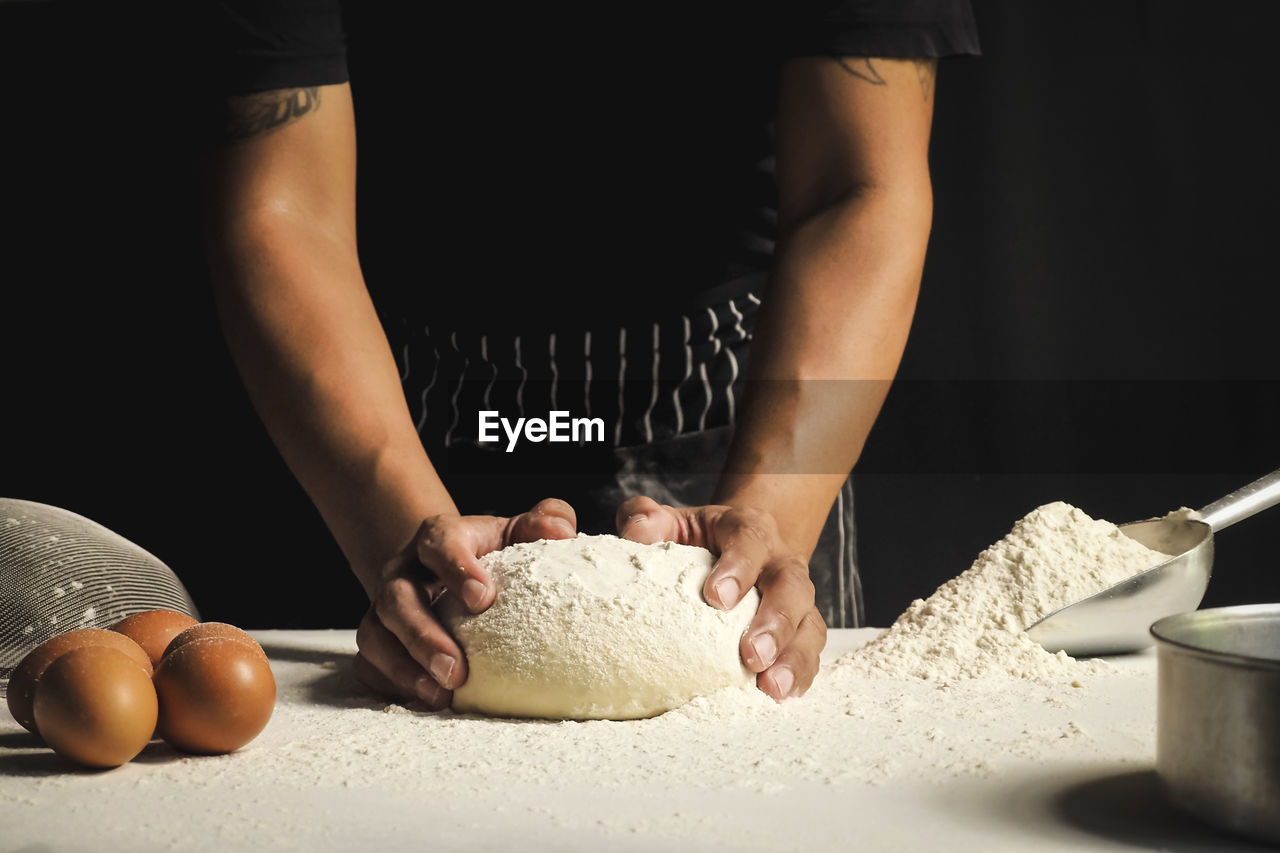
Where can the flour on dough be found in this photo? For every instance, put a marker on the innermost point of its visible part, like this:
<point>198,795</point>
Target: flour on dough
<point>597,627</point>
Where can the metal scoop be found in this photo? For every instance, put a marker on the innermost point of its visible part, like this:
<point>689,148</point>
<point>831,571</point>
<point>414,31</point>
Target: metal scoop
<point>1116,620</point>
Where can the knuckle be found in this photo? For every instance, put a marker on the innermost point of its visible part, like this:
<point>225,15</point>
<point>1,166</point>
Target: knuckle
<point>422,640</point>
<point>371,677</point>
<point>814,622</point>
<point>392,568</point>
<point>796,562</point>
<point>393,599</point>
<point>435,531</point>
<point>428,530</point>
<point>361,667</point>
<point>401,589</point>
<point>818,623</point>
<point>786,616</point>
<point>792,574</point>
<point>429,545</point>
<point>750,533</point>
<point>794,568</point>
<point>384,604</point>
<point>364,635</point>
<point>432,523</point>
<point>419,638</point>
<point>753,518</point>
<point>446,543</point>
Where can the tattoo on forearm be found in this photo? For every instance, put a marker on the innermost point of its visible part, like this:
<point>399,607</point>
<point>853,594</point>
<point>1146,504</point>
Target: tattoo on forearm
<point>862,68</point>
<point>265,112</point>
<point>927,71</point>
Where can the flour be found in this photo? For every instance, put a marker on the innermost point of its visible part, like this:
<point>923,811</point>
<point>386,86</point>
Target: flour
<point>336,759</point>
<point>953,698</point>
<point>974,625</point>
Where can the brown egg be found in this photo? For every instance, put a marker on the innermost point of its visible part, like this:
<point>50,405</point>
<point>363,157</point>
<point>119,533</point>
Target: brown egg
<point>209,630</point>
<point>22,683</point>
<point>95,705</point>
<point>216,694</point>
<point>153,629</point>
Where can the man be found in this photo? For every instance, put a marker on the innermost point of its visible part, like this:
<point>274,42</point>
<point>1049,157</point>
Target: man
<point>603,220</point>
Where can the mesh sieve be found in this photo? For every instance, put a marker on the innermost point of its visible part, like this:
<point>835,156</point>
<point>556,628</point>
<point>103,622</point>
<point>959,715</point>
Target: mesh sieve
<point>60,571</point>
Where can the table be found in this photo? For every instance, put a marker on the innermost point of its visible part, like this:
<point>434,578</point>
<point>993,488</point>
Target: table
<point>854,765</point>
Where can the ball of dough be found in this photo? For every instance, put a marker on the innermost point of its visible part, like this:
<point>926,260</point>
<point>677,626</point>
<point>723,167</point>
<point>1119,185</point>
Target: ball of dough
<point>597,627</point>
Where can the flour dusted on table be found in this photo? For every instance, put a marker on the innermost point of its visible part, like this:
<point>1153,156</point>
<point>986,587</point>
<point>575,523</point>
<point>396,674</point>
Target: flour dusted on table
<point>974,625</point>
<point>337,768</point>
<point>598,627</point>
<point>870,720</point>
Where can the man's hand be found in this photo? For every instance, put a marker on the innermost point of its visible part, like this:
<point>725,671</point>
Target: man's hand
<point>404,650</point>
<point>784,640</point>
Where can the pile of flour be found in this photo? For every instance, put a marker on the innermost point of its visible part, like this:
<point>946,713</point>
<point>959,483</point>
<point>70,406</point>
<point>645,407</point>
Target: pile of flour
<point>974,625</point>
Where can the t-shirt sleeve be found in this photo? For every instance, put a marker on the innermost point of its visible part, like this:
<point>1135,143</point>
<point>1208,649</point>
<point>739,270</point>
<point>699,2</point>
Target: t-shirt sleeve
<point>895,29</point>
<point>255,45</point>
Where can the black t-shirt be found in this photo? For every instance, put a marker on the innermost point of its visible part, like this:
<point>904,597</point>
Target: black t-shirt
<point>532,167</point>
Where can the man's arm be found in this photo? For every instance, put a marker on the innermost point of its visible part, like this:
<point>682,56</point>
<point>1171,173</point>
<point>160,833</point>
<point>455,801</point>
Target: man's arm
<point>304,334</point>
<point>300,324</point>
<point>855,206</point>
<point>854,216</point>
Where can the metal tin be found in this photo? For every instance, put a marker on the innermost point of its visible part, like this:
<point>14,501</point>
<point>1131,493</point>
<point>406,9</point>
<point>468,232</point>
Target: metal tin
<point>1218,715</point>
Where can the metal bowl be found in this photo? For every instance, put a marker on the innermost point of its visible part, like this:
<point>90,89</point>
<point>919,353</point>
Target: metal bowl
<point>1218,715</point>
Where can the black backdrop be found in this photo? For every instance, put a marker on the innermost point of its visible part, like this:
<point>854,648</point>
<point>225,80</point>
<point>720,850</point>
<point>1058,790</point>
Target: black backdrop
<point>1096,322</point>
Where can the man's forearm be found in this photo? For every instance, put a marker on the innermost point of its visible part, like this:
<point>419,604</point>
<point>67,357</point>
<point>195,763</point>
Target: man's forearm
<point>316,363</point>
<point>297,317</point>
<point>829,341</point>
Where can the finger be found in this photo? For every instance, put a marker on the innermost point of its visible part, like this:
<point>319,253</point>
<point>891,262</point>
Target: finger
<point>386,667</point>
<point>551,518</point>
<point>407,564</point>
<point>402,609</point>
<point>786,597</point>
<point>371,677</point>
<point>646,521</point>
<point>449,547</point>
<point>745,540</point>
<point>793,673</point>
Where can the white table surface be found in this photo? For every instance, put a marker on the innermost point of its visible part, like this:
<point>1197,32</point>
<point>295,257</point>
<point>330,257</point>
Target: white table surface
<point>332,772</point>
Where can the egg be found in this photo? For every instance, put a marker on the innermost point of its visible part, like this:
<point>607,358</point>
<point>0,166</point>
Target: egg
<point>216,694</point>
<point>95,705</point>
<point>26,675</point>
<point>153,629</point>
<point>207,630</point>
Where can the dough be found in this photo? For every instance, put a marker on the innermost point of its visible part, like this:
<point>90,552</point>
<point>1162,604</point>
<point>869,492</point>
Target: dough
<point>597,627</point>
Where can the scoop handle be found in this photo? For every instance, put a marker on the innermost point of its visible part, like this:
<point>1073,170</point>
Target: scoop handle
<point>1245,501</point>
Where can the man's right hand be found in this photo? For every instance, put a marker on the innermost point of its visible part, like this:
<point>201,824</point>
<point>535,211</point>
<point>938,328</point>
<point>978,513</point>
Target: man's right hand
<point>405,652</point>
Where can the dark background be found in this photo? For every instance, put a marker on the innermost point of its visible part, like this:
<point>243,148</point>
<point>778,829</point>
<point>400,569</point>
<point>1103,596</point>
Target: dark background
<point>1096,323</point>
